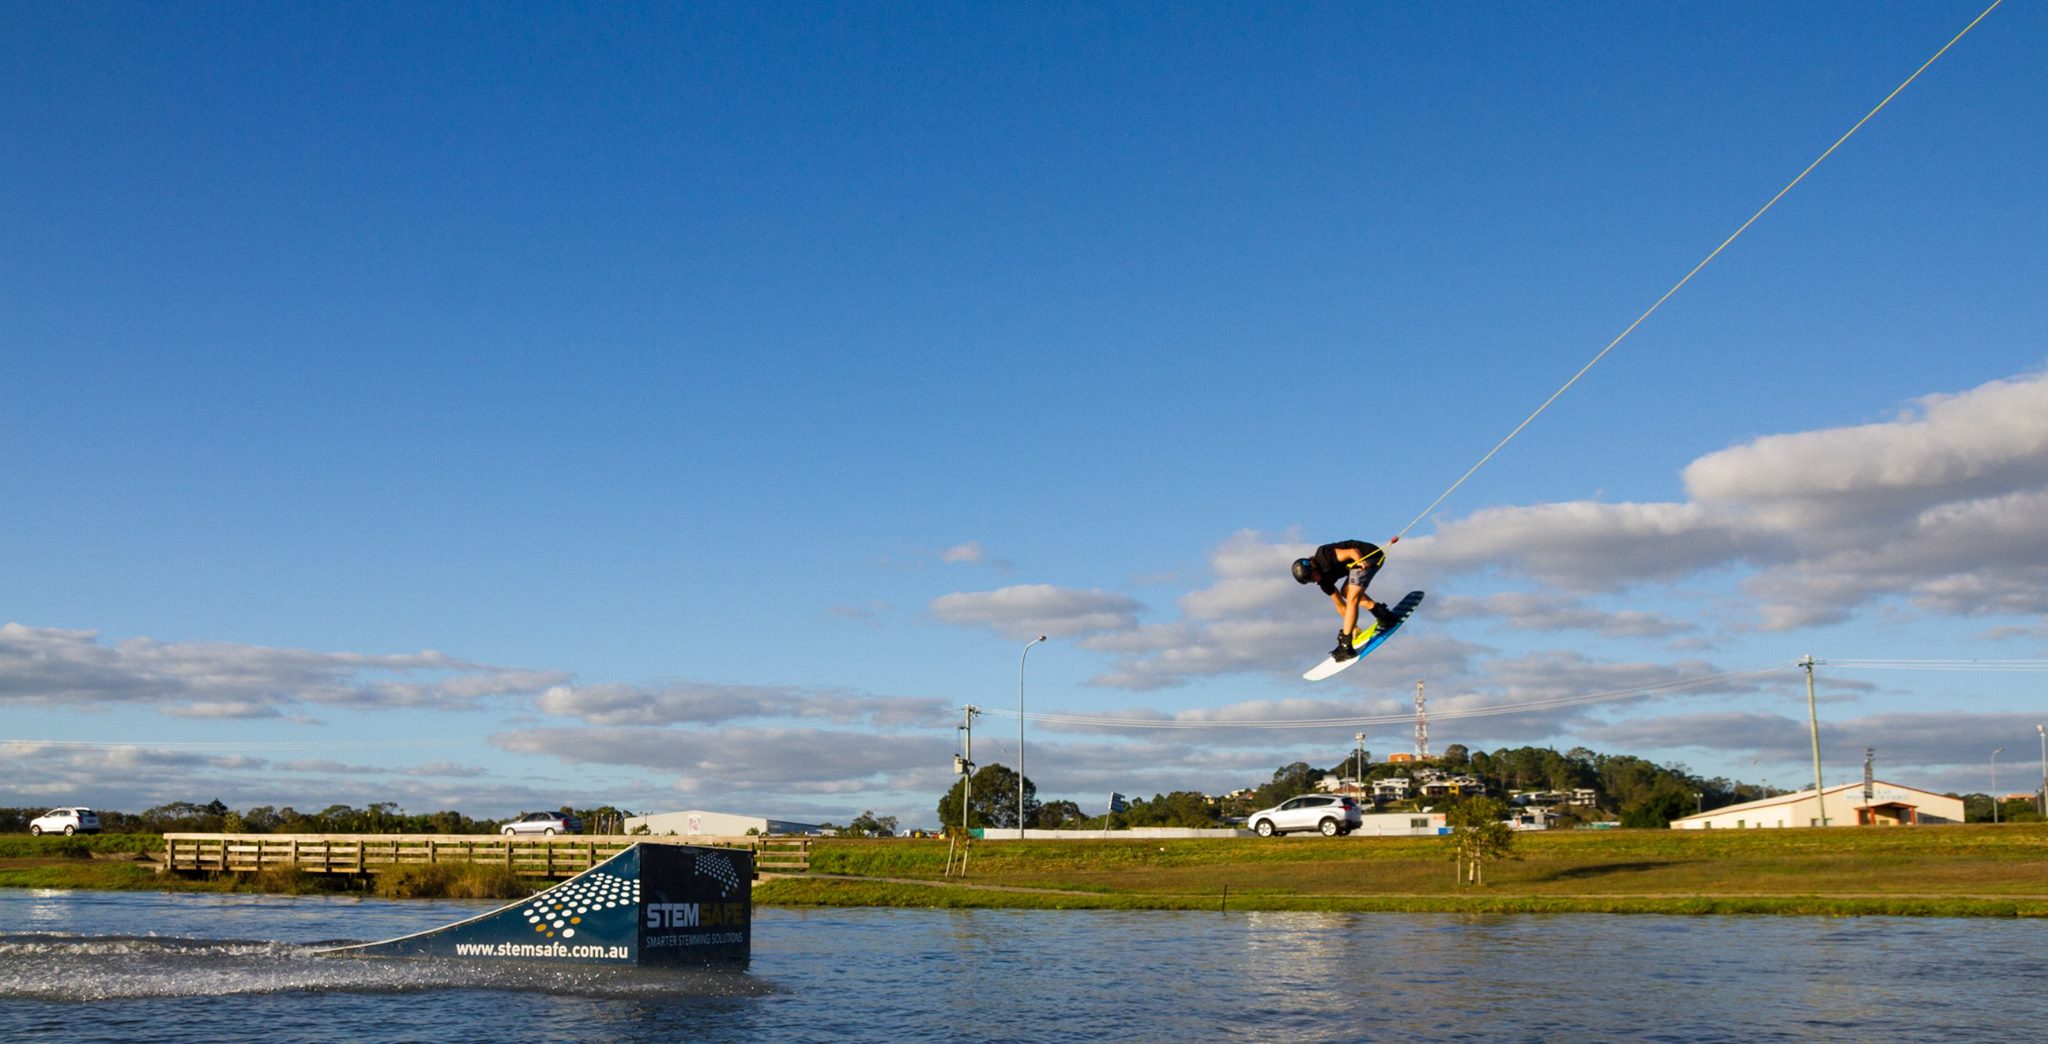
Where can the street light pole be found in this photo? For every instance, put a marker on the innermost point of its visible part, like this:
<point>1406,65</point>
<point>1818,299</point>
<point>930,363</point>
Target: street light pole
<point>1020,732</point>
<point>1820,793</point>
<point>1994,783</point>
<point>2043,730</point>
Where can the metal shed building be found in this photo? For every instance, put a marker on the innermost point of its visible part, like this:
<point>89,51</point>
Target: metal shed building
<point>699,823</point>
<point>1887,804</point>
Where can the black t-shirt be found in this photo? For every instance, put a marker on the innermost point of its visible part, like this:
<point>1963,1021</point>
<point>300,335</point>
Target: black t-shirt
<point>1329,570</point>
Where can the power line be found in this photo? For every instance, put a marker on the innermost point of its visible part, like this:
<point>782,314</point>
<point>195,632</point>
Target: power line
<point>1550,703</point>
<point>1938,665</point>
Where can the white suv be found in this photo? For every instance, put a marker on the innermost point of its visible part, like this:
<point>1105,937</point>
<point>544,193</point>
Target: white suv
<point>65,821</point>
<point>544,823</point>
<point>1334,816</point>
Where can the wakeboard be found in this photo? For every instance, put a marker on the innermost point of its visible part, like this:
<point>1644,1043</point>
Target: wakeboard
<point>1367,639</point>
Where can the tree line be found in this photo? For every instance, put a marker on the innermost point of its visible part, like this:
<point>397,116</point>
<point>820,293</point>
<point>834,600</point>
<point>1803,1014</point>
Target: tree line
<point>1637,791</point>
<point>215,817</point>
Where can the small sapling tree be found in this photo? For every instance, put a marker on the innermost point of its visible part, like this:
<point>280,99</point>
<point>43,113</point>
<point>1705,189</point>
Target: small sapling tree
<point>1478,836</point>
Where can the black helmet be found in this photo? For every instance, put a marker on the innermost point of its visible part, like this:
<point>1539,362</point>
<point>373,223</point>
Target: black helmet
<point>1304,571</point>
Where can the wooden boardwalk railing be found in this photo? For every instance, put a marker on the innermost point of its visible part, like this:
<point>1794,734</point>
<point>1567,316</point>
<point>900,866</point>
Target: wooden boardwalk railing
<point>527,856</point>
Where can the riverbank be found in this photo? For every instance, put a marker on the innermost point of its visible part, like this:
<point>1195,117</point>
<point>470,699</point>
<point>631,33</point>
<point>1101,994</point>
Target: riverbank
<point>1951,871</point>
<point>1972,870</point>
<point>127,862</point>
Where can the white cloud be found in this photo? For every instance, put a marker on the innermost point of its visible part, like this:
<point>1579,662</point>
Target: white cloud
<point>706,703</point>
<point>868,614</point>
<point>1028,610</point>
<point>1981,557</point>
<point>972,552</point>
<point>133,778</point>
<point>1252,579</point>
<point>327,767</point>
<point>1953,448</point>
<point>1529,611</point>
<point>1940,748</point>
<point>446,769</point>
<point>1587,546</point>
<point>42,666</point>
<point>1940,505</point>
<point>755,761</point>
<point>222,709</point>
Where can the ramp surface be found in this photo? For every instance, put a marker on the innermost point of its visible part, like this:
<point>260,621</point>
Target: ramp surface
<point>650,904</point>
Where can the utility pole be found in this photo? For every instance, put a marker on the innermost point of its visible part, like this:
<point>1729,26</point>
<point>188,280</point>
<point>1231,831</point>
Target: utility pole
<point>963,763</point>
<point>967,760</point>
<point>1813,722</point>
<point>2043,730</point>
<point>1358,762</point>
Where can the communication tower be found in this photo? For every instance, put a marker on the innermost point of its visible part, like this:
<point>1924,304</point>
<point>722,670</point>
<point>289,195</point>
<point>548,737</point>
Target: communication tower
<point>1421,725</point>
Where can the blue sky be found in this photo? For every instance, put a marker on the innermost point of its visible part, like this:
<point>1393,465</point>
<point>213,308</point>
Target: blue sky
<point>694,407</point>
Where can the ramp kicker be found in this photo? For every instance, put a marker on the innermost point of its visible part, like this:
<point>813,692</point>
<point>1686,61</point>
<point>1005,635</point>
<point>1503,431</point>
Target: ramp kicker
<point>651,904</point>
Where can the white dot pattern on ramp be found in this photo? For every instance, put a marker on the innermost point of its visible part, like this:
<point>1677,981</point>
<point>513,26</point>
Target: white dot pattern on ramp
<point>562,908</point>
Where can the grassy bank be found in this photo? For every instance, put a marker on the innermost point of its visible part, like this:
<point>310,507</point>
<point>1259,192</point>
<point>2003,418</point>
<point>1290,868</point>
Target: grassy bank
<point>51,846</point>
<point>1937,871</point>
<point>1977,870</point>
<point>119,862</point>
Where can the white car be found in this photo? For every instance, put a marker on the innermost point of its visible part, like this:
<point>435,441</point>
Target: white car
<point>1333,815</point>
<point>547,823</point>
<point>65,821</point>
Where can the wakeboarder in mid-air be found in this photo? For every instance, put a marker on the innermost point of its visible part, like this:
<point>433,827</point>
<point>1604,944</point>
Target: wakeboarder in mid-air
<point>1342,570</point>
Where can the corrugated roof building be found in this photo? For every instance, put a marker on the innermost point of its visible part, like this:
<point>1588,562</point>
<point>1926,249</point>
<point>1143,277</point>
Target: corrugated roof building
<point>698,823</point>
<point>1887,804</point>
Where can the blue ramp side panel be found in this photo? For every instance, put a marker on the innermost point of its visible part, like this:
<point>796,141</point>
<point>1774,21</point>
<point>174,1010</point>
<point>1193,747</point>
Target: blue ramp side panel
<point>649,905</point>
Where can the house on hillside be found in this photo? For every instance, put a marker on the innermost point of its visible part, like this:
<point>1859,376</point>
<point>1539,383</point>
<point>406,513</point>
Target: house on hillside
<point>1439,785</point>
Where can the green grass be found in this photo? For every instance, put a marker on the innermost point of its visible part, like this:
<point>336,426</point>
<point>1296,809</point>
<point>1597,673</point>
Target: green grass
<point>95,862</point>
<point>454,881</point>
<point>1945,871</point>
<point>95,875</point>
<point>81,846</point>
<point>1977,870</point>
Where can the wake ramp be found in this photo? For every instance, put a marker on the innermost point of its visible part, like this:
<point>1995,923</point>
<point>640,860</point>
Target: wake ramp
<point>652,904</point>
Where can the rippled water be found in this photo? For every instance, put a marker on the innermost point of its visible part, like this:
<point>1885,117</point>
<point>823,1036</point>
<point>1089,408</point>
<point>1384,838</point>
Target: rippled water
<point>96,965</point>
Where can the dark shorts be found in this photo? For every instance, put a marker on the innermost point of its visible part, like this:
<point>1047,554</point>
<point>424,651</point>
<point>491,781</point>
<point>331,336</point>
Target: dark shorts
<point>1360,575</point>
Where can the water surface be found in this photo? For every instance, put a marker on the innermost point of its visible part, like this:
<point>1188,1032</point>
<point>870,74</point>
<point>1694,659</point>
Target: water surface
<point>180,967</point>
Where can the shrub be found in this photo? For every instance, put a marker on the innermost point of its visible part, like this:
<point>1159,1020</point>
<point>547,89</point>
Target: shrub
<point>452,881</point>
<point>291,880</point>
